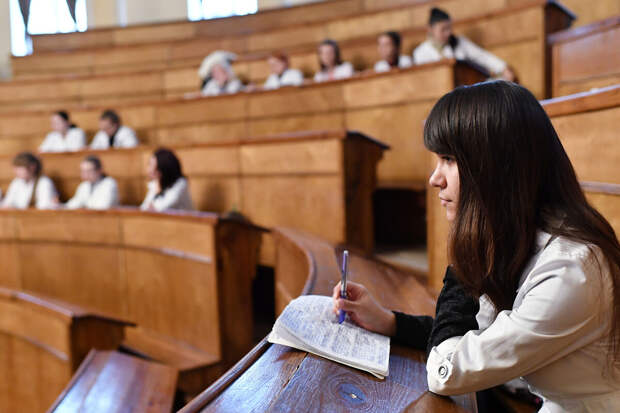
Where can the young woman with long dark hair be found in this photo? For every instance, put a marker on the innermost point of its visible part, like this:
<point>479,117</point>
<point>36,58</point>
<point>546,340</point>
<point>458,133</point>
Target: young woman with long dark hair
<point>168,188</point>
<point>331,63</point>
<point>533,286</point>
<point>65,135</point>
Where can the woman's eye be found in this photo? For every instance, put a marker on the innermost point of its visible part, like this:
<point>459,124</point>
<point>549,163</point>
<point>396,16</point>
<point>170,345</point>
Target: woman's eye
<point>447,158</point>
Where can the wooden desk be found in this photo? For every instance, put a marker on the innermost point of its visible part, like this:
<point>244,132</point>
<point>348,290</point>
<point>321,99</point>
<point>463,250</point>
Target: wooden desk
<point>42,342</point>
<point>321,182</point>
<point>587,57</point>
<point>111,382</point>
<point>184,279</point>
<point>587,125</point>
<point>390,107</point>
<point>169,73</point>
<point>278,378</point>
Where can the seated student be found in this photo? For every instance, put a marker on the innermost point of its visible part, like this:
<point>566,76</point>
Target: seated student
<point>30,188</point>
<point>217,75</point>
<point>533,286</point>
<point>168,188</point>
<point>442,43</point>
<point>281,73</point>
<point>389,45</point>
<point>112,133</point>
<point>64,137</point>
<point>332,66</point>
<point>97,190</point>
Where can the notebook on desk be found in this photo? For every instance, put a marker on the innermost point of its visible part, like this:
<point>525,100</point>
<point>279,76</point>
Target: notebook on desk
<point>308,323</point>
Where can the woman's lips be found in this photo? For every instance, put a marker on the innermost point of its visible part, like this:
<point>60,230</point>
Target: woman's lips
<point>444,201</point>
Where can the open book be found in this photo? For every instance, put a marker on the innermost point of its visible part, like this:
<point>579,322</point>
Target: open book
<point>309,323</point>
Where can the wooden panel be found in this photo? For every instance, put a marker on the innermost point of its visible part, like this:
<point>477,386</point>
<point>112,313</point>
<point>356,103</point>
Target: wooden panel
<point>324,98</point>
<point>216,194</point>
<point>9,256</point>
<point>200,133</point>
<point>609,206</point>
<point>169,233</point>
<point>591,11</point>
<point>591,141</point>
<point>292,158</point>
<point>146,34</point>
<point>161,288</point>
<point>65,227</point>
<point>89,276</point>
<point>317,121</point>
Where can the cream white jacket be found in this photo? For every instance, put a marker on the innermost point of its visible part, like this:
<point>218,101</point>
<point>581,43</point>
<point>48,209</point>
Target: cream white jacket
<point>555,336</point>
<point>74,140</point>
<point>100,195</point>
<point>20,194</point>
<point>175,197</point>
<point>125,138</point>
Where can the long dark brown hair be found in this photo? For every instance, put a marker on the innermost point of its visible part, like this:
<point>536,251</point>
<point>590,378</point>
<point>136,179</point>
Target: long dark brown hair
<point>515,178</point>
<point>170,168</point>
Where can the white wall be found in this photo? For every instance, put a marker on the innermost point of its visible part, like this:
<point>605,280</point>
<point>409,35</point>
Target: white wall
<point>152,11</point>
<point>5,40</point>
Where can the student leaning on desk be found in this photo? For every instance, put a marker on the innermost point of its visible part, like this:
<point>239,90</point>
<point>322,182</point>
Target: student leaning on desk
<point>533,289</point>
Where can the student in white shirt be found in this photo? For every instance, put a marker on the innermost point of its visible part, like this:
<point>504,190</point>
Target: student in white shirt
<point>167,188</point>
<point>30,188</point>
<point>218,77</point>
<point>442,43</point>
<point>64,137</point>
<point>112,133</point>
<point>97,190</point>
<point>331,64</point>
<point>389,46</point>
<point>533,289</point>
<point>281,73</point>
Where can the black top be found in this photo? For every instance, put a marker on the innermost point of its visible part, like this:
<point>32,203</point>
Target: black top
<point>455,315</point>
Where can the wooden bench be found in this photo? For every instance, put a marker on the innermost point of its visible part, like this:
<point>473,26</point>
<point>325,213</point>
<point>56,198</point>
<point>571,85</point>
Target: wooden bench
<point>586,57</point>
<point>389,107</point>
<point>185,279</point>
<point>523,49</point>
<point>111,382</point>
<point>278,378</point>
<point>42,343</point>
<point>587,126</point>
<point>321,182</point>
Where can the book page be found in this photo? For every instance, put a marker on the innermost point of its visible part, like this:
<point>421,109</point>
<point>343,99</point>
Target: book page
<point>310,320</point>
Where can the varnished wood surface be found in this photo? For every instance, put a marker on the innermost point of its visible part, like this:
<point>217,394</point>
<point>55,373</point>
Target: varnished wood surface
<point>319,181</point>
<point>111,382</point>
<point>390,107</point>
<point>277,378</point>
<point>42,342</point>
<point>180,279</point>
<point>586,57</point>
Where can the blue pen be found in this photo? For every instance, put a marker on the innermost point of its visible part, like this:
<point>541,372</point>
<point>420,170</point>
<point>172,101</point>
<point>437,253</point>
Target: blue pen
<point>343,283</point>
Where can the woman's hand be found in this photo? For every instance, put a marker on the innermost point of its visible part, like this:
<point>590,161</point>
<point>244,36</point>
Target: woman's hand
<point>364,310</point>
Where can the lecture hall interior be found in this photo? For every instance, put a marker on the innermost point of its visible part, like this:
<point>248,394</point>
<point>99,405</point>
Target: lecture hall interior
<point>176,174</point>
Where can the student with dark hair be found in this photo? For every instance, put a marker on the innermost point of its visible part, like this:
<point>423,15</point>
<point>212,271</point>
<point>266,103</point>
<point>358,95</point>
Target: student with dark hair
<point>65,135</point>
<point>533,286</point>
<point>30,188</point>
<point>168,187</point>
<point>97,190</point>
<point>281,74</point>
<point>389,47</point>
<point>112,133</point>
<point>443,44</point>
<point>331,64</point>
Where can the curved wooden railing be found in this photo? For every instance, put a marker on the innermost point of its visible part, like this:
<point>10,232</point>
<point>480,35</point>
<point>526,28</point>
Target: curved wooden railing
<point>264,379</point>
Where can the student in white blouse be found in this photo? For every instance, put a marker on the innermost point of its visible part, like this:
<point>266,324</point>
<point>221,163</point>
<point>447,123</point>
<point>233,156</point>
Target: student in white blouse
<point>281,74</point>
<point>167,188</point>
<point>64,137</point>
<point>442,43</point>
<point>30,188</point>
<point>331,64</point>
<point>389,46</point>
<point>218,77</point>
<point>533,290</point>
<point>97,190</point>
<point>112,133</point>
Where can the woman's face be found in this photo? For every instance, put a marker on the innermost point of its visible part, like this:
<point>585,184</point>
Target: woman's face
<point>327,55</point>
<point>24,172</point>
<point>385,47</point>
<point>277,66</point>
<point>220,74</point>
<point>441,31</point>
<point>59,124</point>
<point>152,170</point>
<point>445,177</point>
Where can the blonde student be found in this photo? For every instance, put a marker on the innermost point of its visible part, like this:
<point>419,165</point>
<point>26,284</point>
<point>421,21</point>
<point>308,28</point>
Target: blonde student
<point>65,135</point>
<point>168,188</point>
<point>442,43</point>
<point>533,286</point>
<point>281,73</point>
<point>30,188</point>
<point>97,190</point>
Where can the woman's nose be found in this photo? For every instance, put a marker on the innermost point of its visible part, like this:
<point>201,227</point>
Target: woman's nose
<point>437,179</point>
